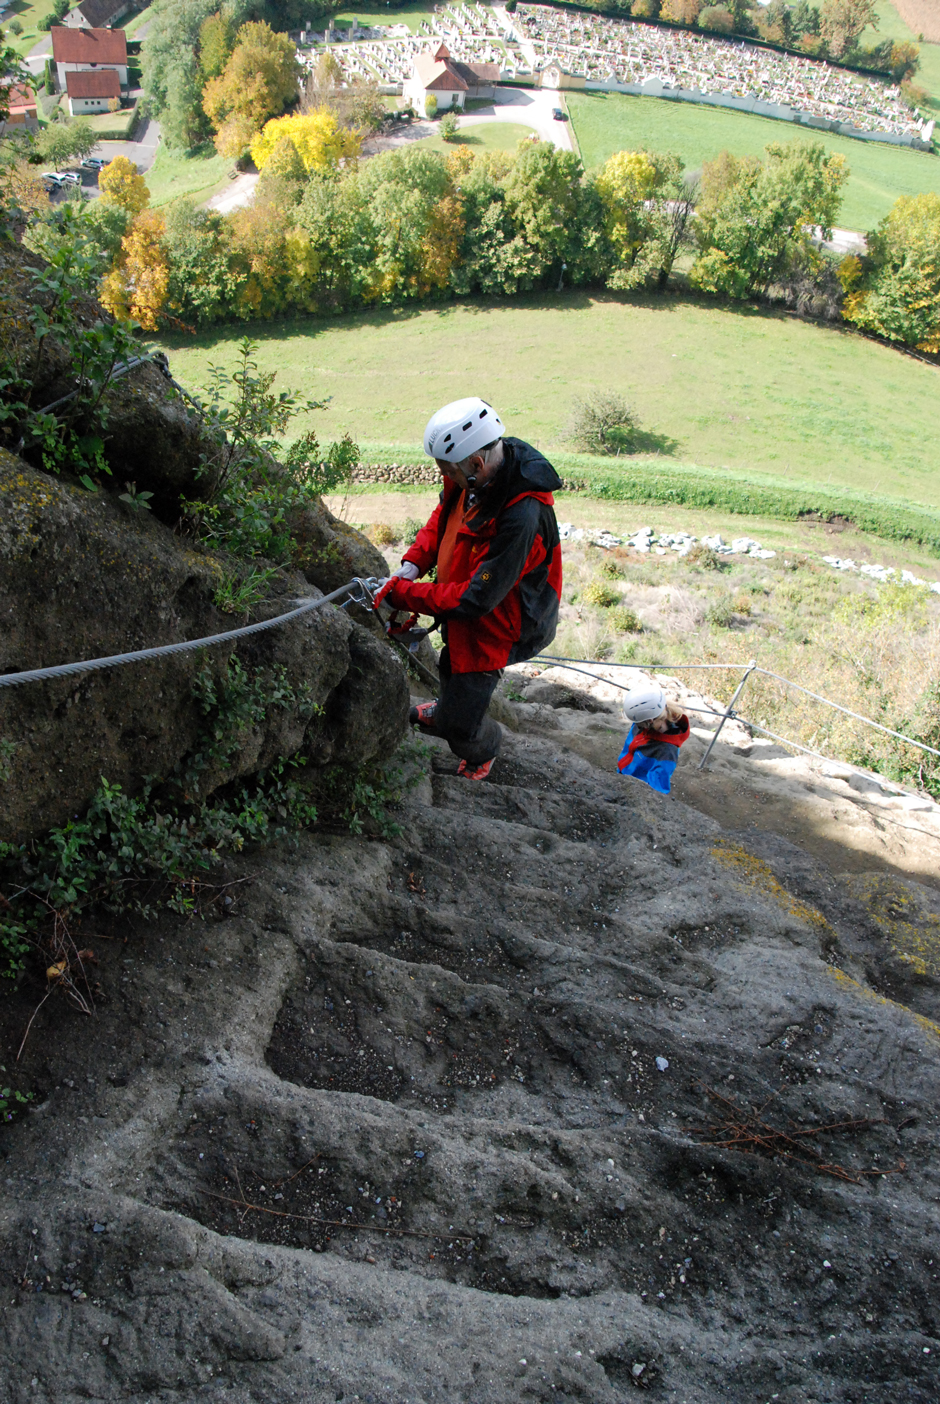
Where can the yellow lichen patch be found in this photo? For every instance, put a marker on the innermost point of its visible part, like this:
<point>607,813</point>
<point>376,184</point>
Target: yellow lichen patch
<point>757,873</point>
<point>912,933</point>
<point>928,1025</point>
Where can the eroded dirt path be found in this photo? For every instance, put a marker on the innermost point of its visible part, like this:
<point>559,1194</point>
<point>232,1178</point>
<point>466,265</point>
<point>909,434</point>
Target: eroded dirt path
<point>453,1075</point>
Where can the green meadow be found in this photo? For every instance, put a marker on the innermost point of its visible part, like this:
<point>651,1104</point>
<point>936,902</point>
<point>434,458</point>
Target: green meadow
<point>751,397</point>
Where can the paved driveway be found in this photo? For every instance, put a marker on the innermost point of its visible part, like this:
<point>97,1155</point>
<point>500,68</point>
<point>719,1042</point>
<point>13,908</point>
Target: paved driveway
<point>530,106</point>
<point>527,106</point>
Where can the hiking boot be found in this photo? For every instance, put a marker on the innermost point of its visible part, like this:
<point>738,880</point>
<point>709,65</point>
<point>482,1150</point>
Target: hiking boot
<point>423,715</point>
<point>475,772</point>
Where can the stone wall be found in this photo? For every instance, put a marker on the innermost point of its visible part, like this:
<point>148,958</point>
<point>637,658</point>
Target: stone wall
<point>420,475</point>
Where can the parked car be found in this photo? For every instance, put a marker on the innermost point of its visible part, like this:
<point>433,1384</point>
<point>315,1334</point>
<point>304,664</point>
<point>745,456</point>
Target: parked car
<point>558,115</point>
<point>93,163</point>
<point>51,180</point>
<point>70,178</point>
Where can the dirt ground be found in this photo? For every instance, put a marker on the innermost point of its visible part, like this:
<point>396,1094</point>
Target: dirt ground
<point>567,1091</point>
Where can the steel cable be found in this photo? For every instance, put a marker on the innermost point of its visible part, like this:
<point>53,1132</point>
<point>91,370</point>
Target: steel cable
<point>64,670</point>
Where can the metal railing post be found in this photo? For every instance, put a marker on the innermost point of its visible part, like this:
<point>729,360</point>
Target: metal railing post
<point>729,712</point>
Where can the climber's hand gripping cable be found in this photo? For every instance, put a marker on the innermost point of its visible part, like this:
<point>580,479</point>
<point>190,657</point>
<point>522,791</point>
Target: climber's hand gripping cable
<point>404,632</point>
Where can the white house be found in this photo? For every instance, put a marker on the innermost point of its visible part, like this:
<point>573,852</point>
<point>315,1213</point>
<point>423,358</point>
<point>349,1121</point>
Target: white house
<point>91,90</point>
<point>77,50</point>
<point>451,82</point>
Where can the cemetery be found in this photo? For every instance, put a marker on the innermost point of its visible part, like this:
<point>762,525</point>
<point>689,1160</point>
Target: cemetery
<point>540,45</point>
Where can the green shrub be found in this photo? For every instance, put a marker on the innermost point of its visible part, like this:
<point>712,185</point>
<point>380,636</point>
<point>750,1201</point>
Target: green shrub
<point>625,620</point>
<point>603,423</point>
<point>382,534</point>
<point>610,570</point>
<point>704,557</point>
<point>409,531</point>
<point>720,614</point>
<point>601,595</point>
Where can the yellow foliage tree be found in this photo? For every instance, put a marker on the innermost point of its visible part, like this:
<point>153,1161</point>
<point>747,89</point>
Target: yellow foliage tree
<point>319,140</point>
<point>121,183</point>
<point>895,290</point>
<point>136,287</point>
<point>681,11</point>
<point>258,82</point>
<point>627,179</point>
<point>441,243</point>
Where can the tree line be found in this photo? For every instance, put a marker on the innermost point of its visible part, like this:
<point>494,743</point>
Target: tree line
<point>326,234</point>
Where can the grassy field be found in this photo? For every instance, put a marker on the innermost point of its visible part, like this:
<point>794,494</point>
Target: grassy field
<point>29,13</point>
<point>410,14</point>
<point>133,22</point>
<point>609,122</point>
<point>754,392</point>
<point>176,173</point>
<point>487,136</point>
<point>113,126</point>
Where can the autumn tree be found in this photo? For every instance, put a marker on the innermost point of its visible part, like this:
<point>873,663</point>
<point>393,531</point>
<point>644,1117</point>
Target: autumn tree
<point>121,183</point>
<point>681,11</point>
<point>626,181</point>
<point>319,140</point>
<point>647,208</point>
<point>258,82</point>
<point>754,218</point>
<point>841,22</point>
<point>136,287</point>
<point>904,61</point>
<point>894,290</point>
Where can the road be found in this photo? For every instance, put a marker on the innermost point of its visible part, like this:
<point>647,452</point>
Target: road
<point>238,194</point>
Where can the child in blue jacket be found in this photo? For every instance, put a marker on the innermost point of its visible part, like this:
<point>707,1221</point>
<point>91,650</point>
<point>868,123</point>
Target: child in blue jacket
<point>651,750</point>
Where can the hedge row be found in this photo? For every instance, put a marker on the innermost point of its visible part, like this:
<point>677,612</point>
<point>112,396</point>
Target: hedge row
<point>651,481</point>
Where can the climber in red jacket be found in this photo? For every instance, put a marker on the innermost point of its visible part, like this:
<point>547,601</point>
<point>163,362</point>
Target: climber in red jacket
<point>494,540</point>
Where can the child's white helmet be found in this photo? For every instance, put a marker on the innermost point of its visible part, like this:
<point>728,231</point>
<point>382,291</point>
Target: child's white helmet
<point>461,428</point>
<point>642,704</point>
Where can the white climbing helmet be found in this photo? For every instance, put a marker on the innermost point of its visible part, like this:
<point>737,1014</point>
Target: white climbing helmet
<point>461,428</point>
<point>642,704</point>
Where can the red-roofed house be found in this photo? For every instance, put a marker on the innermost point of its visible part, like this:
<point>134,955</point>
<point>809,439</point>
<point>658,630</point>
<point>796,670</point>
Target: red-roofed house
<point>91,90</point>
<point>76,50</point>
<point>22,109</point>
<point>450,81</point>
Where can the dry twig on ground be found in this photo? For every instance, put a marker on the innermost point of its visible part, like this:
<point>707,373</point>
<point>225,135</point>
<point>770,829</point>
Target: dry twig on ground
<point>744,1129</point>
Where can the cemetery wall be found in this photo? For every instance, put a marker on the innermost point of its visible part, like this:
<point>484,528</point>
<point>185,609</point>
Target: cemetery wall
<point>778,111</point>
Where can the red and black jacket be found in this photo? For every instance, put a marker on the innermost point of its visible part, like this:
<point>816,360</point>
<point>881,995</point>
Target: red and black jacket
<point>501,603</point>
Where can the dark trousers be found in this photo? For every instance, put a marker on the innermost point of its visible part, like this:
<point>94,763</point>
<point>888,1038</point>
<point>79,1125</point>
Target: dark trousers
<point>461,713</point>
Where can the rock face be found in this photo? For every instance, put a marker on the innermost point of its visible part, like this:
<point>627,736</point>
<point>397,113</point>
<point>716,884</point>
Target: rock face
<point>85,576</point>
<point>427,1120</point>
